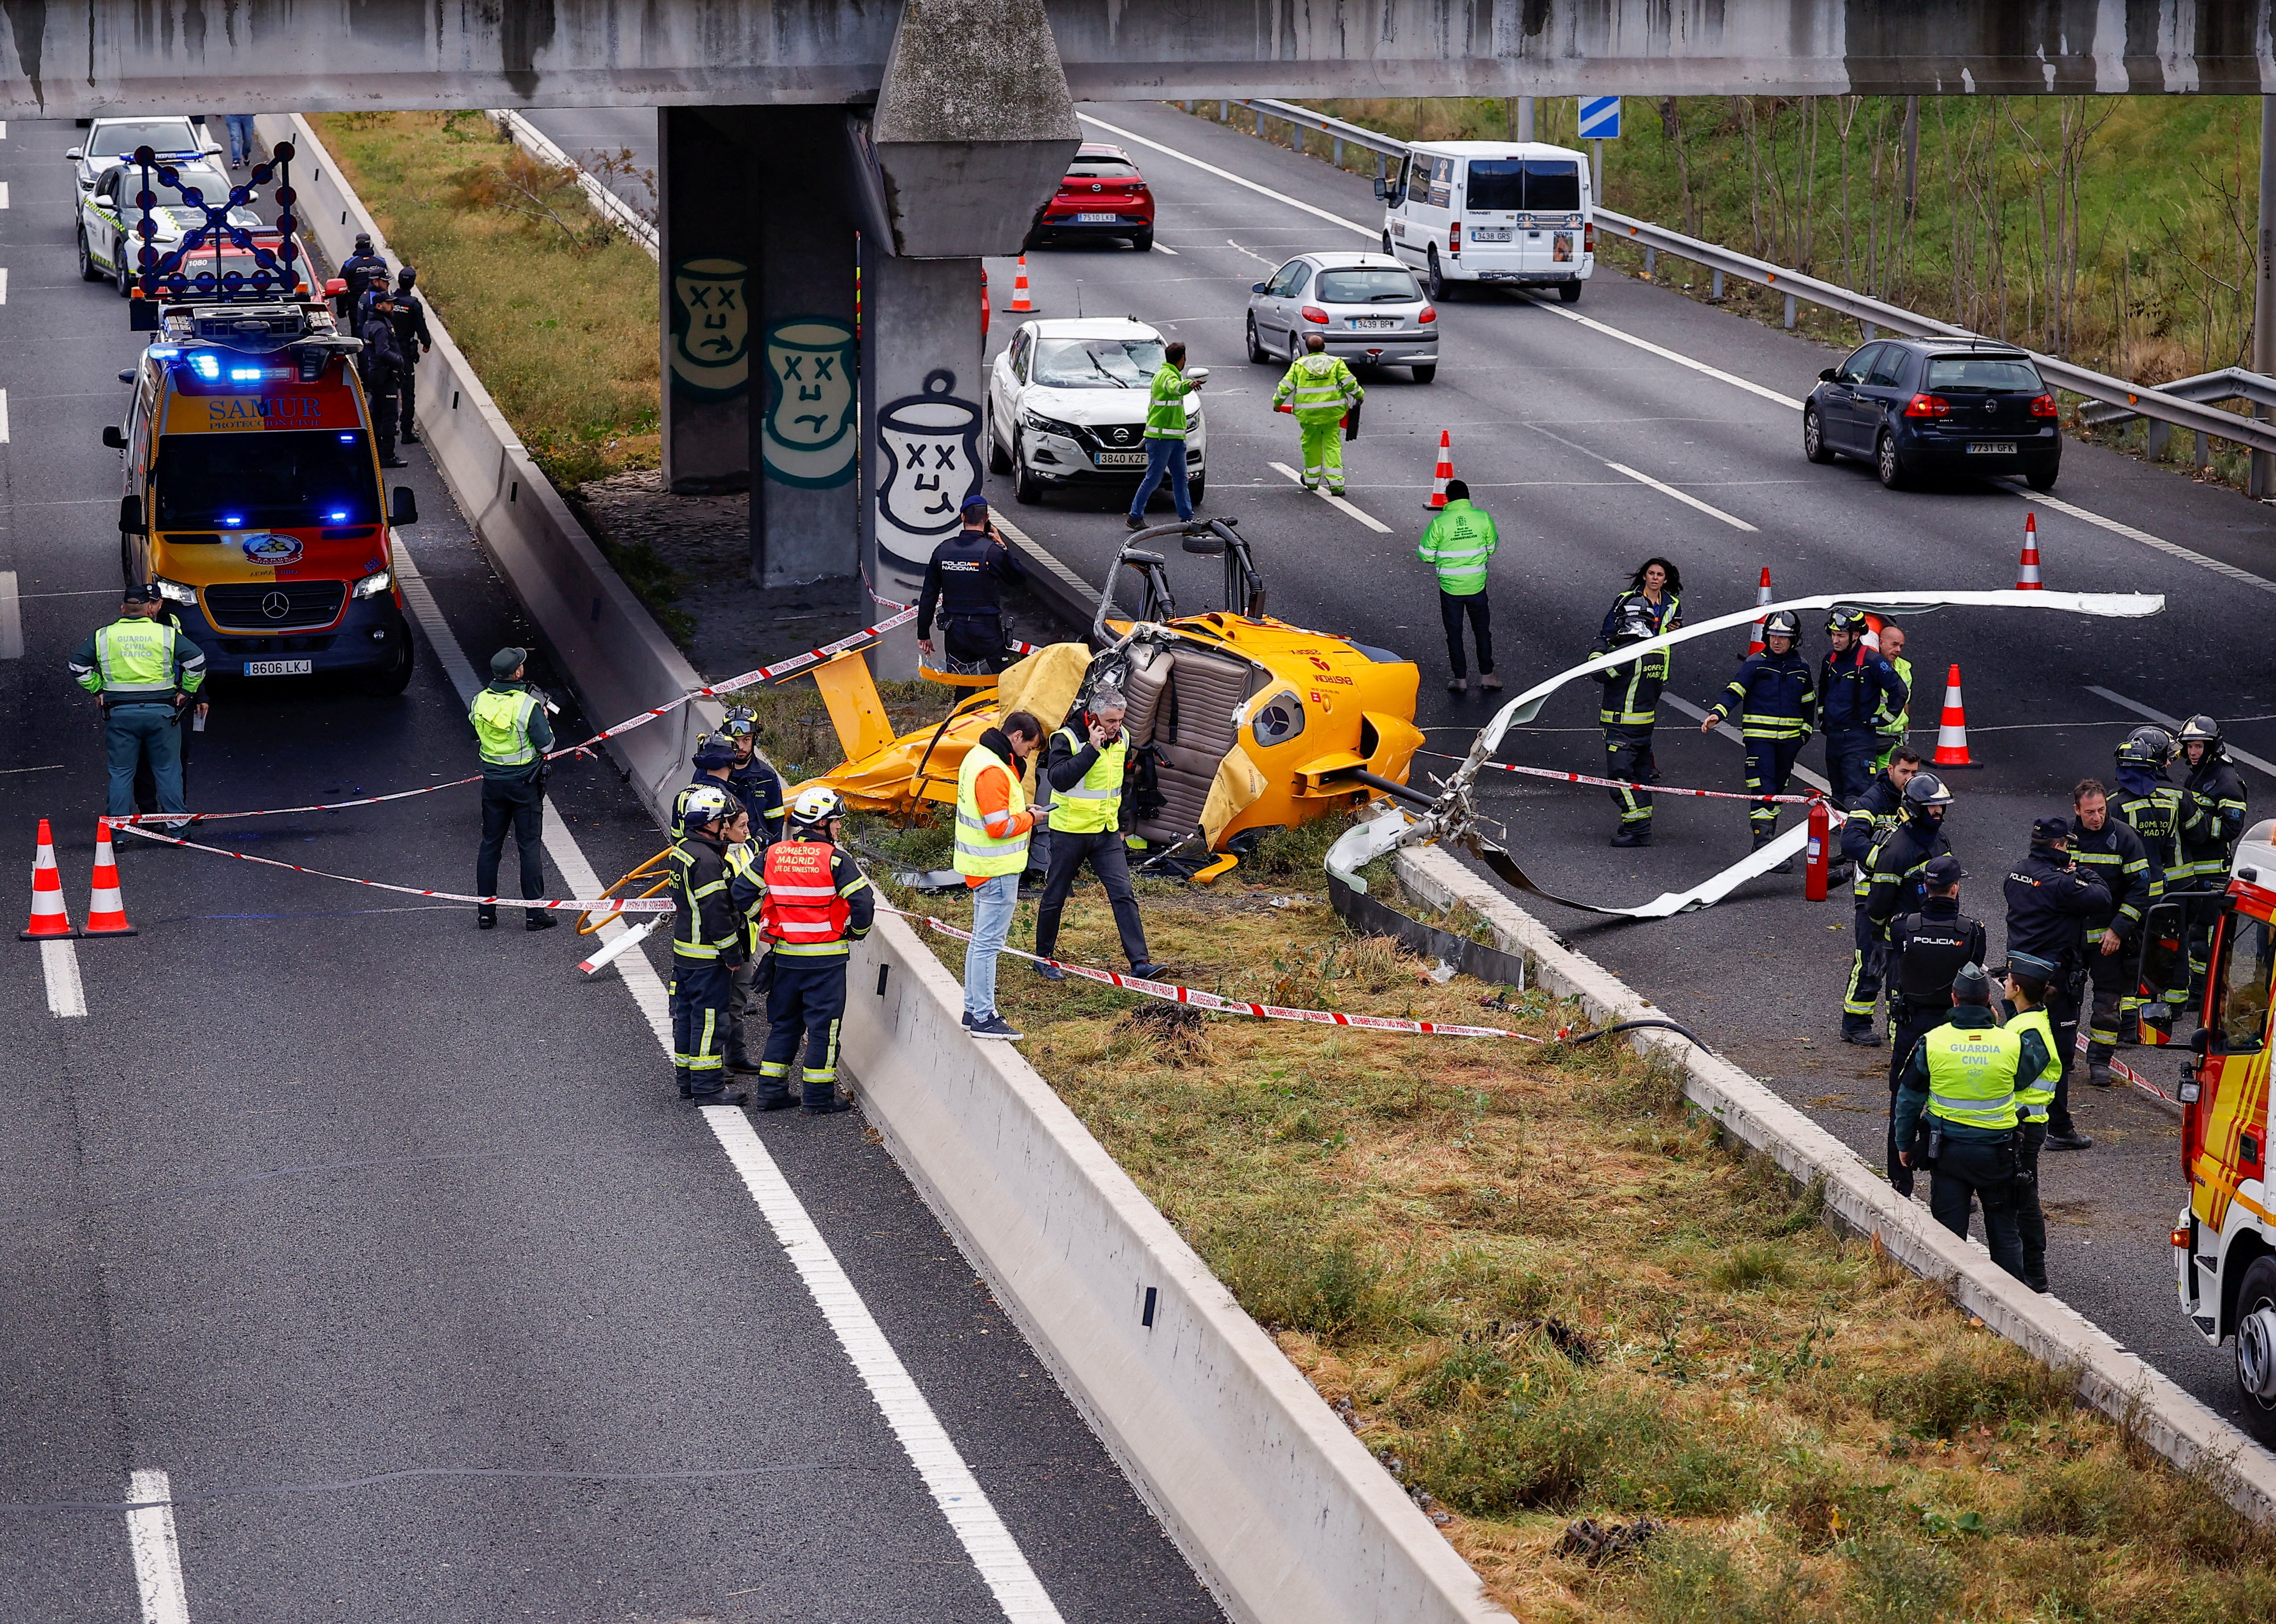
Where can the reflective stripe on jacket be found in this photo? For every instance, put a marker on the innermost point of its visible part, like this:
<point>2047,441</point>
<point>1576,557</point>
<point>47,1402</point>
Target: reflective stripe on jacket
<point>1094,805</point>
<point>1458,543</point>
<point>2034,1095</point>
<point>1774,696</point>
<point>704,923</point>
<point>803,910</point>
<point>1971,1075</point>
<point>978,852</point>
<point>133,656</point>
<point>1166,405</point>
<point>1318,386</point>
<point>501,719</point>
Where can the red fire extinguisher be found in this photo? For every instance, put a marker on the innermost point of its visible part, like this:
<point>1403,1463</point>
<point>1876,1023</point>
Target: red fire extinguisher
<point>1821,829</point>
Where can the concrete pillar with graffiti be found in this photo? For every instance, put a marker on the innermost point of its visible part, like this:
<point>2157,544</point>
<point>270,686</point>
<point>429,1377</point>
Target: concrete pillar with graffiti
<point>707,250</point>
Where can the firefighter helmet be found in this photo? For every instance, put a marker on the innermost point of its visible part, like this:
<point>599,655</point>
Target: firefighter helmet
<point>705,804</point>
<point>1783,623</point>
<point>1846,620</point>
<point>816,806</point>
<point>739,724</point>
<point>713,751</point>
<point>2199,730</point>
<point>1634,626</point>
<point>1925,790</point>
<point>2146,746</point>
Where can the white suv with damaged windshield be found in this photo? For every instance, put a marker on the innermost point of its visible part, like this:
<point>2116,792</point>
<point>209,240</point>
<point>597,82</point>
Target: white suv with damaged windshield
<point>1066,407</point>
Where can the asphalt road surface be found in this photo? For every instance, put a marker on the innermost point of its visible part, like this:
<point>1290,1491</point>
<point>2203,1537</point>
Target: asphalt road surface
<point>1623,427</point>
<point>384,1243</point>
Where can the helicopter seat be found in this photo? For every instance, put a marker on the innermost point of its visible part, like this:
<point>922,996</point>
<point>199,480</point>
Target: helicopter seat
<point>1181,702</point>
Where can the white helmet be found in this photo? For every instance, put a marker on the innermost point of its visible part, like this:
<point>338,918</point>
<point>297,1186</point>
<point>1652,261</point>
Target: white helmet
<point>816,806</point>
<point>706,804</point>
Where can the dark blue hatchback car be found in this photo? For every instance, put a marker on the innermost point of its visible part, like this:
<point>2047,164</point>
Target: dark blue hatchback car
<point>1917,407</point>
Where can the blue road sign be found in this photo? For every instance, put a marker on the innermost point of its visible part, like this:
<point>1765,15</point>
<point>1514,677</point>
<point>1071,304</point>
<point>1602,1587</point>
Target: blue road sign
<point>1600,118</point>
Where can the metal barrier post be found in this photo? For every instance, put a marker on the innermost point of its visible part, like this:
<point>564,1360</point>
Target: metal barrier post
<point>1650,260</point>
<point>1715,285</point>
<point>1789,313</point>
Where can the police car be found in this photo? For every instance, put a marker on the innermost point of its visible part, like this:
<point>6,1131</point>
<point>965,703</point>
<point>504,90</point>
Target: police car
<point>1066,406</point>
<point>111,141</point>
<point>111,246</point>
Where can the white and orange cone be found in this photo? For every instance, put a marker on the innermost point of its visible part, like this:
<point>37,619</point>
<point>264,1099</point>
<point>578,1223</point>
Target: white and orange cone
<point>106,909</point>
<point>1020,303</point>
<point>1444,473</point>
<point>2026,573</point>
<point>1762,596</point>
<point>1952,731</point>
<point>49,916</point>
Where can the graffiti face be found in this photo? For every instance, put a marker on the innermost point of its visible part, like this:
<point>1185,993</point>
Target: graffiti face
<point>808,436</point>
<point>711,328</point>
<point>928,448</point>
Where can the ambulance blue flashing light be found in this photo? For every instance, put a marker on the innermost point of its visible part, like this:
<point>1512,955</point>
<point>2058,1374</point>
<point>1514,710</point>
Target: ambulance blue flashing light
<point>163,352</point>
<point>206,365</point>
<point>232,519</point>
<point>245,374</point>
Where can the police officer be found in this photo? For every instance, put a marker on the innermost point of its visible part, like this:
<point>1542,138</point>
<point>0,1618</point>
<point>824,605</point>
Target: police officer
<point>144,673</point>
<point>1896,882</point>
<point>513,735</point>
<point>1927,950</point>
<point>964,584</point>
<point>2215,791</point>
<point>2028,979</point>
<point>2164,820</point>
<point>1859,695</point>
<point>1962,1076</point>
<point>1085,768</point>
<point>813,903</point>
<point>1627,712</point>
<point>707,940</point>
<point>1875,813</point>
<point>1777,705</point>
<point>411,337</point>
<point>2050,900</point>
<point>358,270</point>
<point>2108,848</point>
<point>1320,391</point>
<point>383,367</point>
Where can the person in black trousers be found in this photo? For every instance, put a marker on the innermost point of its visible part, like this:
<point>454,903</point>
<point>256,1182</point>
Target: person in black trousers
<point>412,336</point>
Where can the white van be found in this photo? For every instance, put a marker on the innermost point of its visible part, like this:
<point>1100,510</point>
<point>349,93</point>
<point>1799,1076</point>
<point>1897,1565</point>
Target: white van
<point>1519,213</point>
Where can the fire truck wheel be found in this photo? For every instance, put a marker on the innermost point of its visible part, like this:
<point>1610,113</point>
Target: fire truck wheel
<point>2256,1348</point>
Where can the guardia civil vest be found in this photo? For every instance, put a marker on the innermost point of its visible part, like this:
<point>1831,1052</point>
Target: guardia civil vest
<point>979,853</point>
<point>136,656</point>
<point>1971,1075</point>
<point>1094,806</point>
<point>2034,1095</point>
<point>801,909</point>
<point>501,719</point>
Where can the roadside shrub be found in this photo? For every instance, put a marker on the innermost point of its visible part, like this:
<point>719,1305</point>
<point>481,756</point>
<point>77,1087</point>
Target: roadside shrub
<point>1745,1267</point>
<point>1332,1290</point>
<point>1689,1579</point>
<point>1981,1382</point>
<point>1302,849</point>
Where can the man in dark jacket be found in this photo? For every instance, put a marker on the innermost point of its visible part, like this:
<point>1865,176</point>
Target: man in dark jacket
<point>1777,705</point>
<point>383,367</point>
<point>1898,883</point>
<point>1859,695</point>
<point>2108,848</point>
<point>362,270</point>
<point>410,335</point>
<point>2050,900</point>
<point>1926,950</point>
<point>707,943</point>
<point>2215,792</point>
<point>963,585</point>
<point>2167,821</point>
<point>1085,769</point>
<point>1870,817</point>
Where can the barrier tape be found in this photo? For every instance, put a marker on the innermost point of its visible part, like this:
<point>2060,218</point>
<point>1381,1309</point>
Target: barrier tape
<point>629,904</point>
<point>1640,787</point>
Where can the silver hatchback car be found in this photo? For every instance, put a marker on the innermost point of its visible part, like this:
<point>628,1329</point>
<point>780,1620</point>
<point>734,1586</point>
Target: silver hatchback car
<point>1368,306</point>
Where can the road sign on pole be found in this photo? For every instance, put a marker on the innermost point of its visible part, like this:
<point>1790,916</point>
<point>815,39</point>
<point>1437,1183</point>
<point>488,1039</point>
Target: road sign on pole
<point>1600,118</point>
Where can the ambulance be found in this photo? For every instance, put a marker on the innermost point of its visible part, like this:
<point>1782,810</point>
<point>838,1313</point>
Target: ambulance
<point>253,498</point>
<point>2225,1240</point>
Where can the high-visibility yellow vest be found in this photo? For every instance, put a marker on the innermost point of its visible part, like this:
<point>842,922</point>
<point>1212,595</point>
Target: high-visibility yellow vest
<point>979,853</point>
<point>501,720</point>
<point>136,655</point>
<point>1971,1075</point>
<point>1094,806</point>
<point>2034,1095</point>
<point>1318,386</point>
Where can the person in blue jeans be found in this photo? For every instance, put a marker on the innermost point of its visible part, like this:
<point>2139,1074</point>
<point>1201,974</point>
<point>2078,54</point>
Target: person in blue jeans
<point>1165,437</point>
<point>240,139</point>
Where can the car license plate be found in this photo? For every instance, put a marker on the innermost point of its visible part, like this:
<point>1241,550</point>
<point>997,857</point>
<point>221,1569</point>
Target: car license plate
<point>1992,448</point>
<point>1122,460</point>
<point>1096,219</point>
<point>1490,233</point>
<point>1373,323</point>
<point>280,668</point>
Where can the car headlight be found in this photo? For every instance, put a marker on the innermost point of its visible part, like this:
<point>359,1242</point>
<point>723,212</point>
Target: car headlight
<point>372,586</point>
<point>1041,424</point>
<point>175,592</point>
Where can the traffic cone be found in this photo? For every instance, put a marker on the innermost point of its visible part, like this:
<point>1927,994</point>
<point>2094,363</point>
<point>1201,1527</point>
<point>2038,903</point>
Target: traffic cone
<point>1020,303</point>
<point>1952,731</point>
<point>1762,596</point>
<point>49,917</point>
<point>106,909</point>
<point>1445,471</point>
<point>2027,575</point>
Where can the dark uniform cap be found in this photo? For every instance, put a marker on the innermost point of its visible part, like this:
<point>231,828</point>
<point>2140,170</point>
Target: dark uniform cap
<point>2032,966</point>
<point>714,750</point>
<point>2049,829</point>
<point>975,504</point>
<point>1946,871</point>
<point>139,593</point>
<point>1971,985</point>
<point>506,662</point>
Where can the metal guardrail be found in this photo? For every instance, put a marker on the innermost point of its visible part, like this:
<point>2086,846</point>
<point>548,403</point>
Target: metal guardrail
<point>2228,383</point>
<point>2165,405</point>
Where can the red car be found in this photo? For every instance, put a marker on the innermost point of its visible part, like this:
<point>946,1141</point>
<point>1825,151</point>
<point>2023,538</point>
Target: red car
<point>1103,196</point>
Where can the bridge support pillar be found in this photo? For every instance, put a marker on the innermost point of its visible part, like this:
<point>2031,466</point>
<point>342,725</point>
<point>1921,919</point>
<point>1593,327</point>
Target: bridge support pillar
<point>707,246</point>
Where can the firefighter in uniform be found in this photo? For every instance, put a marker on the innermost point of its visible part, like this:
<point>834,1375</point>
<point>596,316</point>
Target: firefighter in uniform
<point>1926,950</point>
<point>2110,850</point>
<point>753,777</point>
<point>814,903</point>
<point>2028,979</point>
<point>1859,695</point>
<point>1085,771</point>
<point>963,585</point>
<point>1321,391</point>
<point>707,940</point>
<point>143,672</point>
<point>1962,1076</point>
<point>2050,900</point>
<point>1627,712</point>
<point>2164,820</point>
<point>2215,791</point>
<point>1777,705</point>
<point>1864,826</point>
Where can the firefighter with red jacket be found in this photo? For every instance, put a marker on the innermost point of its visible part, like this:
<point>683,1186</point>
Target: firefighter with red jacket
<point>812,902</point>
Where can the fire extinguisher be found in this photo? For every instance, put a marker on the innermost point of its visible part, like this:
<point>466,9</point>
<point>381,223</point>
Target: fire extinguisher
<point>1821,830</point>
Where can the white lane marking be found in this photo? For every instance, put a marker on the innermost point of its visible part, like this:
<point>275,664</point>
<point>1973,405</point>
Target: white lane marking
<point>965,1506</point>
<point>1686,498</point>
<point>2169,723</point>
<point>157,1554</point>
<point>1731,733</point>
<point>1164,247</point>
<point>1225,174</point>
<point>2170,548</point>
<point>954,1489</point>
<point>1337,502</point>
<point>1716,373</point>
<point>59,963</point>
<point>4,284</point>
<point>11,618</point>
<point>1252,253</point>
<point>4,417</point>
<point>4,194</point>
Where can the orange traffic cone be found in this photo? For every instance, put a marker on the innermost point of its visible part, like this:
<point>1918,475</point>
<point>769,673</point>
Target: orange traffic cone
<point>1762,596</point>
<point>1952,731</point>
<point>2027,575</point>
<point>1445,471</point>
<point>49,917</point>
<point>1020,303</point>
<point>106,909</point>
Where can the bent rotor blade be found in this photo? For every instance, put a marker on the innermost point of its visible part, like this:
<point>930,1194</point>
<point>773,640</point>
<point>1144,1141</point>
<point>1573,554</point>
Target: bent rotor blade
<point>1667,903</point>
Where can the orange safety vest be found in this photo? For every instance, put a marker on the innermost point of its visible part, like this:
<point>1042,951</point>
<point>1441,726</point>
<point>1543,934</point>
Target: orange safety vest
<point>801,906</point>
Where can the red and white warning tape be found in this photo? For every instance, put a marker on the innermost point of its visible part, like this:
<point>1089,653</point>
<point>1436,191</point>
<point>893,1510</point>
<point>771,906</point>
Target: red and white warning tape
<point>1656,789</point>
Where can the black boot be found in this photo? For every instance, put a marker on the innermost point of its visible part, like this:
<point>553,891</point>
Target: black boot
<point>1633,834</point>
<point>823,1099</point>
<point>539,919</point>
<point>486,918</point>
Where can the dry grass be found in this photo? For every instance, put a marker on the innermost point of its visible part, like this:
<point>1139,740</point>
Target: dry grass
<point>1539,1288</point>
<point>556,311</point>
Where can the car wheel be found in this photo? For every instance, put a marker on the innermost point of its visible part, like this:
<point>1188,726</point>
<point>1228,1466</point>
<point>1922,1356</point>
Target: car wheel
<point>86,268</point>
<point>1813,436</point>
<point>1433,283</point>
<point>125,277</point>
<point>1143,242</point>
<point>999,460</point>
<point>1887,464</point>
<point>397,677</point>
<point>1256,351</point>
<point>1196,488</point>
<point>2255,1347</point>
<point>2043,479</point>
<point>1424,375</point>
<point>1026,490</point>
<point>1568,292</point>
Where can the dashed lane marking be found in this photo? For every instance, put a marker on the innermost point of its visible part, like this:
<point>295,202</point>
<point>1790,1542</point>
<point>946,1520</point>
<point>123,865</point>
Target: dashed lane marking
<point>4,284</point>
<point>1240,180</point>
<point>2165,721</point>
<point>1260,258</point>
<point>4,417</point>
<point>971,1516</point>
<point>1733,733</point>
<point>157,1554</point>
<point>1164,247</point>
<point>2172,549</point>
<point>1664,353</point>
<point>1338,503</point>
<point>1684,497</point>
<point>4,194</point>
<point>59,963</point>
<point>11,618</point>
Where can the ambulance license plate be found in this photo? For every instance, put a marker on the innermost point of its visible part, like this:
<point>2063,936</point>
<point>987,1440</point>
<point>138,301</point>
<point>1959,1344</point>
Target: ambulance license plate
<point>280,668</point>
<point>1991,448</point>
<point>1371,323</point>
<point>1096,219</point>
<point>1122,460</point>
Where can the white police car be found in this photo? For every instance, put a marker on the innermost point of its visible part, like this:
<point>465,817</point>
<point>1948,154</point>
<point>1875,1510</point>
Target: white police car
<point>1066,406</point>
<point>109,245</point>
<point>110,141</point>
